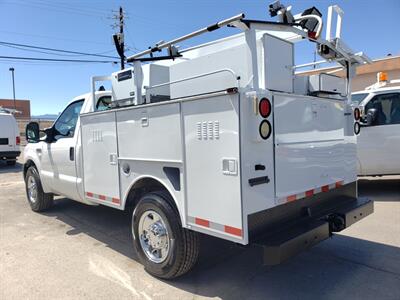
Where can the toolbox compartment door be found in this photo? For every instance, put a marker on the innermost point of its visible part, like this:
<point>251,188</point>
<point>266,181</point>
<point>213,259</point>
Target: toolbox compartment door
<point>311,150</point>
<point>100,158</point>
<point>211,128</point>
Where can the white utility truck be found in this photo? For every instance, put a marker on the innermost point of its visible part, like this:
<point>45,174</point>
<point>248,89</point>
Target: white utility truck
<point>9,136</point>
<point>221,139</point>
<point>378,144</point>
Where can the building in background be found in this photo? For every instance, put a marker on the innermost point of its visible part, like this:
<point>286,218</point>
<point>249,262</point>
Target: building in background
<point>23,106</point>
<point>366,74</point>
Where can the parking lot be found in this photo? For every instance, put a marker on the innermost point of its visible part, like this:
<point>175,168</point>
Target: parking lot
<point>77,251</point>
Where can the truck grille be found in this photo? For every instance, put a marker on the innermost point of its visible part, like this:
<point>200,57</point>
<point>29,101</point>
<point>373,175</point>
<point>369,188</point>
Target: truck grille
<point>3,141</point>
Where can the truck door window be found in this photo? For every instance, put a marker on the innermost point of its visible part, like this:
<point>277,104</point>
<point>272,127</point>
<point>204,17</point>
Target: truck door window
<point>103,103</point>
<point>395,110</point>
<point>66,123</point>
<point>387,109</point>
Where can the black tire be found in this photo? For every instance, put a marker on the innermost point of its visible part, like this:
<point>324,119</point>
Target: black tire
<point>184,244</point>
<point>43,200</point>
<point>11,162</point>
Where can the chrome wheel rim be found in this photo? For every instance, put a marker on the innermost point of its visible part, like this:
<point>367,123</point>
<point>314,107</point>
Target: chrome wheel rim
<point>153,236</point>
<point>32,189</point>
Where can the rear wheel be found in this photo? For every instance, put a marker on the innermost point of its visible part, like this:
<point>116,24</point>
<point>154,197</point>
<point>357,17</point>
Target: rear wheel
<point>165,248</point>
<point>37,198</point>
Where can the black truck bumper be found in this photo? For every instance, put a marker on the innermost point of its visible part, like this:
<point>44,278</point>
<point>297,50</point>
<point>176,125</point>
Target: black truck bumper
<point>291,228</point>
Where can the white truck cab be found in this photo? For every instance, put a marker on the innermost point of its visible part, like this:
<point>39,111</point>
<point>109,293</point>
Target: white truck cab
<point>9,137</point>
<point>378,144</point>
<point>222,139</point>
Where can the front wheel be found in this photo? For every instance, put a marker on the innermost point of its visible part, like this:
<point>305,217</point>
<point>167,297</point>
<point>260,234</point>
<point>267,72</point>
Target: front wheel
<point>165,248</point>
<point>37,198</point>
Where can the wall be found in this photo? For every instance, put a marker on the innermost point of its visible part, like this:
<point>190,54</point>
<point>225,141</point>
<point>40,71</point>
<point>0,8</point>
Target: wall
<point>24,106</point>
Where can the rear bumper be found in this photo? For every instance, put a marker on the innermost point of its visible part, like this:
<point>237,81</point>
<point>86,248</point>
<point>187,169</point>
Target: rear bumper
<point>291,228</point>
<point>9,154</point>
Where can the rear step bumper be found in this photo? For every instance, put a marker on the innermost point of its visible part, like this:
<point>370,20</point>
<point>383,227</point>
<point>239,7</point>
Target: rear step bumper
<point>9,154</point>
<point>303,234</point>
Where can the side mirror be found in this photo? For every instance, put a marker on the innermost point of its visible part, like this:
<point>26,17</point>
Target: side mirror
<point>32,132</point>
<point>371,116</point>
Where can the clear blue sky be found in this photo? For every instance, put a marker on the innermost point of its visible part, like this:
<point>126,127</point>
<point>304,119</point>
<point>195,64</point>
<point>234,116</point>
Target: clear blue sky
<point>369,26</point>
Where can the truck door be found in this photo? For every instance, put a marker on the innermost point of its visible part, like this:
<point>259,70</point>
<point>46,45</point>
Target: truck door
<point>378,145</point>
<point>58,158</point>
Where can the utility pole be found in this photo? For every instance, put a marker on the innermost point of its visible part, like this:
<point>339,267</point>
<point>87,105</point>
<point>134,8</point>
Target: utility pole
<point>119,37</point>
<point>13,82</point>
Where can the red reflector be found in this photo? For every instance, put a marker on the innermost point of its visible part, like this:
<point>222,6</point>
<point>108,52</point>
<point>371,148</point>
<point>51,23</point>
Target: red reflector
<point>17,140</point>
<point>89,194</point>
<point>357,114</point>
<point>264,107</point>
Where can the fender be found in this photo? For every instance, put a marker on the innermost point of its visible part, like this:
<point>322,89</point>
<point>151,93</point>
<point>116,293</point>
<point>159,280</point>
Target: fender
<point>168,187</point>
<point>31,155</point>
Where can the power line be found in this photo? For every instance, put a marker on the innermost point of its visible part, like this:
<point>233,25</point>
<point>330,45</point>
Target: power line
<point>58,60</point>
<point>70,11</point>
<point>57,50</point>
<point>51,37</point>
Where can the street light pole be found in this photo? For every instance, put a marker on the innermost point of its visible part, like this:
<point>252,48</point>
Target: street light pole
<point>12,72</point>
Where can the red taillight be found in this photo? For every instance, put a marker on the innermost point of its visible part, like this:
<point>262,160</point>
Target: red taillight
<point>264,107</point>
<point>17,140</point>
<point>357,114</point>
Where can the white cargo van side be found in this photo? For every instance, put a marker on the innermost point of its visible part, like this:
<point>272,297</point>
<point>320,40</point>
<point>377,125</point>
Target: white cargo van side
<point>9,138</point>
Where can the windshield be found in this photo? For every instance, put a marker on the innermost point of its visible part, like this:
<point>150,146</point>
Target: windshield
<point>357,98</point>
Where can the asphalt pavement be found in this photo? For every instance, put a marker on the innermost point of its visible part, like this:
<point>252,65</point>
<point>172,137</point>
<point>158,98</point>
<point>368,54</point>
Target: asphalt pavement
<point>76,251</point>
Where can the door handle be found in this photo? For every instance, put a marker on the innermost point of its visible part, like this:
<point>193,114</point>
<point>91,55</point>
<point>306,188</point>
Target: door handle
<point>72,153</point>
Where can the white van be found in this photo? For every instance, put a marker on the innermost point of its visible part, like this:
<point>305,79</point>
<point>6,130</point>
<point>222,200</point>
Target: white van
<point>9,138</point>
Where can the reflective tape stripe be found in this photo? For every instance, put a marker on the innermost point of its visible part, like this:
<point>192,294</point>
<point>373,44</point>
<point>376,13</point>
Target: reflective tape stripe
<point>339,183</point>
<point>216,226</point>
<point>202,222</point>
<point>310,193</point>
<point>115,200</point>
<point>103,198</point>
<point>233,230</point>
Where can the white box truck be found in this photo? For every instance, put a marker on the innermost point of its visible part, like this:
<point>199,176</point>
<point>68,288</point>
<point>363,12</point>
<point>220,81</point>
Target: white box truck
<point>222,139</point>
